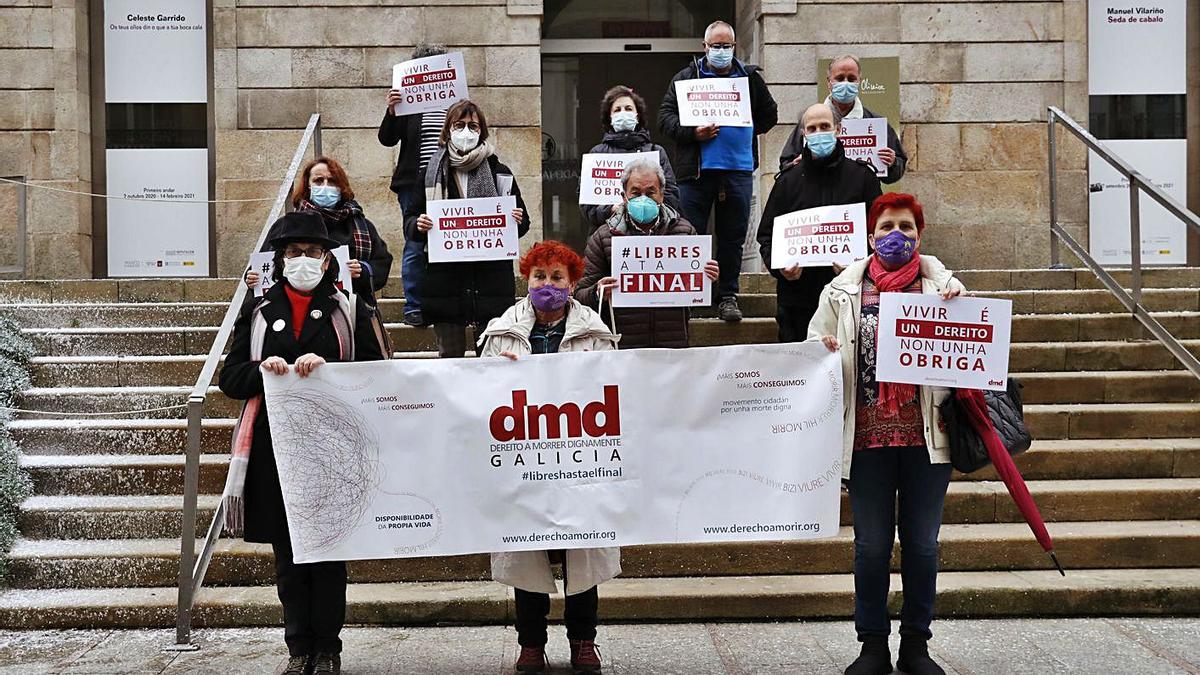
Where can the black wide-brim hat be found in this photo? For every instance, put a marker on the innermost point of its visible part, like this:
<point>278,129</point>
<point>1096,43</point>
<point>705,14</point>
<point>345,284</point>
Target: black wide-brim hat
<point>304,226</point>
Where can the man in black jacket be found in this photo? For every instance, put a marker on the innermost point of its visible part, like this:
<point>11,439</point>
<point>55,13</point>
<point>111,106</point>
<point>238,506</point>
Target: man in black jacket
<point>418,138</point>
<point>813,181</point>
<point>844,75</point>
<point>715,165</point>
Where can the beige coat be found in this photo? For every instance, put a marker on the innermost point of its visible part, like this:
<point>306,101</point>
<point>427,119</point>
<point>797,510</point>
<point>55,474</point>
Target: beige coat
<point>839,313</point>
<point>530,570</point>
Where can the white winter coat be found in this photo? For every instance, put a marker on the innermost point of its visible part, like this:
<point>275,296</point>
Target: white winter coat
<point>530,570</point>
<point>839,313</point>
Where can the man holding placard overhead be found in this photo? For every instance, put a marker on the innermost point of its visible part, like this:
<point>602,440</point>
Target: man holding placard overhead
<point>713,110</point>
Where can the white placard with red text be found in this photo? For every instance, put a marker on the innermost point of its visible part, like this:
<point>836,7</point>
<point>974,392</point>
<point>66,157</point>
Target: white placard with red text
<point>863,139</point>
<point>264,263</point>
<point>724,101</point>
<point>600,176</point>
<point>820,237</point>
<point>467,230</point>
<point>430,83</point>
<point>961,342</point>
<point>661,271</point>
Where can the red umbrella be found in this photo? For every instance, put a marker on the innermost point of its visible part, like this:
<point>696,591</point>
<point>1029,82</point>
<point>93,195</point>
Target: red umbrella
<point>977,412</point>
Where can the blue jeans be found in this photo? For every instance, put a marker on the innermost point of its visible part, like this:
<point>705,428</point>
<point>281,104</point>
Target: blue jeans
<point>876,475</point>
<point>730,192</point>
<point>412,264</point>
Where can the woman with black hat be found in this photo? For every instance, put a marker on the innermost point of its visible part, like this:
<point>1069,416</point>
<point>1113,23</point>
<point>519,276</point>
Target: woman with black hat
<point>303,321</point>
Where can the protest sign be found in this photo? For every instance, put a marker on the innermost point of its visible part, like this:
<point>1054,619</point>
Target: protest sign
<point>600,176</point>
<point>431,83</point>
<point>264,263</point>
<point>426,457</point>
<point>961,342</point>
<point>862,139</point>
<point>819,237</point>
<point>473,229</point>
<point>661,271</point>
<point>724,101</point>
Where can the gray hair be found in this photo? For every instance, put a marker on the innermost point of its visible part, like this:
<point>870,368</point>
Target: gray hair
<point>843,57</point>
<point>640,165</point>
<point>424,49</point>
<point>718,24</point>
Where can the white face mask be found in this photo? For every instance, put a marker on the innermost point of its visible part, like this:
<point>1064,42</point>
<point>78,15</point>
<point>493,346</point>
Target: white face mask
<point>464,139</point>
<point>303,272</point>
<point>624,120</point>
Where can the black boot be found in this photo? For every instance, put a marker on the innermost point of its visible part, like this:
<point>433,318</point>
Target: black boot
<point>914,657</point>
<point>875,658</point>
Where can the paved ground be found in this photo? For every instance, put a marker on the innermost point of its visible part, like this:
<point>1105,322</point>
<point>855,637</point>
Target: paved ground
<point>1126,646</point>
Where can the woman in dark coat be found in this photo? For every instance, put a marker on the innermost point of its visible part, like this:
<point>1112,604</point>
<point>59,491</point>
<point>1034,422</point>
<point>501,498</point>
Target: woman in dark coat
<point>303,320</point>
<point>455,295</point>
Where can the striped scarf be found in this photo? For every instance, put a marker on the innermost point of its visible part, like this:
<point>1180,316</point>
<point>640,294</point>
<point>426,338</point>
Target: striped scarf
<point>348,209</point>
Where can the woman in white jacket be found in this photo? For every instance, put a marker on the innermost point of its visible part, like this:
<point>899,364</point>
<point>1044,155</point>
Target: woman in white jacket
<point>894,440</point>
<point>550,321</point>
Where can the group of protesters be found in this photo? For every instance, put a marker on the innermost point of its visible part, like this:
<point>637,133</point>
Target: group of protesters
<point>894,443</point>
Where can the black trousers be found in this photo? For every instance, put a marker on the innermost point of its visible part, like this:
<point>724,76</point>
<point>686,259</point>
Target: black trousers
<point>314,603</point>
<point>580,616</point>
<point>793,322</point>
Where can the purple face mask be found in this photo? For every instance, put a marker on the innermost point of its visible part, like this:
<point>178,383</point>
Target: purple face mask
<point>895,248</point>
<point>549,298</point>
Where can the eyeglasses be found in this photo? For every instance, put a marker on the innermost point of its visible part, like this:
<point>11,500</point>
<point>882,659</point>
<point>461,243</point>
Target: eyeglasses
<point>460,125</point>
<point>317,252</point>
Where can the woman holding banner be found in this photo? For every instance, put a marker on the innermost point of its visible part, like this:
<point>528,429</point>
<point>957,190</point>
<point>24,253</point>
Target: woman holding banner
<point>457,294</point>
<point>302,322</point>
<point>623,115</point>
<point>894,440</point>
<point>549,321</point>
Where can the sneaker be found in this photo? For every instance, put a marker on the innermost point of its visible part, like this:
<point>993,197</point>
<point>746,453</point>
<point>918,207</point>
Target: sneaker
<point>875,658</point>
<point>532,660</point>
<point>585,658</point>
<point>327,664</point>
<point>413,319</point>
<point>296,665</point>
<point>728,310</point>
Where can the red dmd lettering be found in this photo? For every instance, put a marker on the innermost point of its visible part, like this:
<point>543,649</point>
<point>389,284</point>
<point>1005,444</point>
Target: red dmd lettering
<point>521,422</point>
<point>425,78</point>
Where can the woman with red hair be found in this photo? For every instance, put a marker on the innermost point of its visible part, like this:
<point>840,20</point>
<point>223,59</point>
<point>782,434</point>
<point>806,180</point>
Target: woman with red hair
<point>894,441</point>
<point>549,320</point>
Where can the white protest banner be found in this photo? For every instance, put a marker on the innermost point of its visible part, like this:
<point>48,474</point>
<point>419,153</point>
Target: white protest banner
<point>819,237</point>
<point>264,263</point>
<point>600,176</point>
<point>724,101</point>
<point>961,342</point>
<point>863,139</point>
<point>426,457</point>
<point>661,271</point>
<point>430,83</point>
<point>473,229</point>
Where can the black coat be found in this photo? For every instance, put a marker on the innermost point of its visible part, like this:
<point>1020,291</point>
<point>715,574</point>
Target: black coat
<point>241,378</point>
<point>795,144</point>
<point>809,184</point>
<point>405,130</point>
<point>687,148</point>
<point>638,140</point>
<point>465,292</point>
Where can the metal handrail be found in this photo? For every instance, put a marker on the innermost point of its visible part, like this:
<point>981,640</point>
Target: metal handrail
<point>1138,183</point>
<point>192,567</point>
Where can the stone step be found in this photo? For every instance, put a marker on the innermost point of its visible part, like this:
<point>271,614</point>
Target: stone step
<point>76,315</point>
<point>153,402</point>
<point>117,436</point>
<point>998,547</point>
<point>1119,386</point>
<point>1056,302</point>
<point>1104,459</point>
<point>120,474</point>
<point>116,371</point>
<point>1092,356</point>
<point>1114,420</point>
<point>1122,592</point>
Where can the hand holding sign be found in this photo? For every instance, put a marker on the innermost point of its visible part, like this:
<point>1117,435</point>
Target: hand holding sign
<point>866,140</point>
<point>819,237</point>
<point>714,102</point>
<point>479,229</point>
<point>928,340</point>
<point>429,84</point>
<point>663,271</point>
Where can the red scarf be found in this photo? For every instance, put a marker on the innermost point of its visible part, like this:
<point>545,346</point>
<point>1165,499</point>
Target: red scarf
<point>891,394</point>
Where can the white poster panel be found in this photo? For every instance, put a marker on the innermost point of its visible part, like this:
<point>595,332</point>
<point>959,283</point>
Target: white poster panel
<point>724,101</point>
<point>661,271</point>
<point>473,229</point>
<point>600,176</point>
<point>422,457</point>
<point>820,237</point>
<point>155,51</point>
<point>1137,47</point>
<point>1164,237</point>
<point>862,139</point>
<point>152,230</point>
<point>962,342</point>
<point>430,83</point>
<point>263,262</point>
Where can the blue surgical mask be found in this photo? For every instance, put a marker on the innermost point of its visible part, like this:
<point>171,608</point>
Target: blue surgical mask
<point>625,120</point>
<point>720,58</point>
<point>844,92</point>
<point>643,210</point>
<point>325,196</point>
<point>821,143</point>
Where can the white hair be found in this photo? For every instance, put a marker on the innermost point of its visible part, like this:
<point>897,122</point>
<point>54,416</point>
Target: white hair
<point>843,57</point>
<point>718,24</point>
<point>640,165</point>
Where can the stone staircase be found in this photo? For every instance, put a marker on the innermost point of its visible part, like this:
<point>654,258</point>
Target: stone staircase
<point>1115,469</point>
